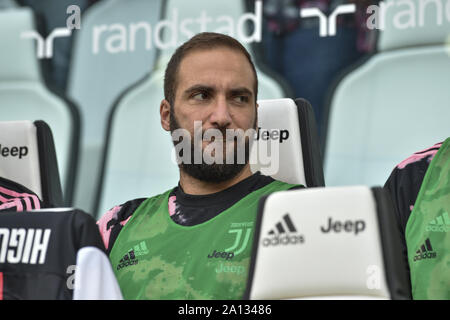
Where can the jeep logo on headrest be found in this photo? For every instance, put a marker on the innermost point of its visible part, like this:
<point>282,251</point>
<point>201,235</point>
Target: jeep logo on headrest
<point>13,151</point>
<point>274,134</point>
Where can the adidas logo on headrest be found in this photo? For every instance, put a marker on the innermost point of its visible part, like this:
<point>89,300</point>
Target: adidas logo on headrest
<point>284,233</point>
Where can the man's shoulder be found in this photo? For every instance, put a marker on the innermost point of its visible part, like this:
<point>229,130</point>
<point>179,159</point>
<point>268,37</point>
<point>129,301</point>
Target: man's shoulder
<point>406,180</point>
<point>112,222</point>
<point>411,170</point>
<point>288,185</point>
<point>279,185</point>
<point>419,158</point>
<point>16,197</point>
<point>125,210</point>
<point>115,218</point>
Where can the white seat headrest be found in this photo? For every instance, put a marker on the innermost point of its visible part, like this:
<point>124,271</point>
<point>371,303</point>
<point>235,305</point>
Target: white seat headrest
<point>279,127</point>
<point>319,242</point>
<point>19,154</point>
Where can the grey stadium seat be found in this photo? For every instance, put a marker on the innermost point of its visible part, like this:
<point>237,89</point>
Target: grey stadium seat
<point>23,95</point>
<point>395,103</point>
<point>52,15</point>
<point>327,243</point>
<point>102,67</point>
<point>137,157</point>
<point>28,157</point>
<point>7,4</point>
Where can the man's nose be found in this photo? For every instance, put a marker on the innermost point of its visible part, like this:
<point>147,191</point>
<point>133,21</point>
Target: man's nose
<point>220,116</point>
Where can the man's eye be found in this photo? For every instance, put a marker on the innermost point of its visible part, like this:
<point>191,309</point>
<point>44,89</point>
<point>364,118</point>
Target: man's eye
<point>200,96</point>
<point>241,99</point>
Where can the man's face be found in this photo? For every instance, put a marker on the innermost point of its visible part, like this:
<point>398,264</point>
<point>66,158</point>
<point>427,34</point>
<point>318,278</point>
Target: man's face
<point>215,86</point>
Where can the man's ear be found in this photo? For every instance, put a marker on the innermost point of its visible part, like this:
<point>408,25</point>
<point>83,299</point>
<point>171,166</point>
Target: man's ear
<point>164,111</point>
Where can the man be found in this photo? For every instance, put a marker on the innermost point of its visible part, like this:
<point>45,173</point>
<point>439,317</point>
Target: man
<point>194,241</point>
<point>420,188</point>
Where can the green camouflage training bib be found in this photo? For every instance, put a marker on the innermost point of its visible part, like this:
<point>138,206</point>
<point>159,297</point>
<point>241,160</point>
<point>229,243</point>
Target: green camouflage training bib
<point>156,258</point>
<point>428,231</point>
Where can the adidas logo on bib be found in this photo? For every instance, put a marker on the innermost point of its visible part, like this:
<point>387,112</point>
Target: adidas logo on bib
<point>439,224</point>
<point>140,249</point>
<point>425,252</point>
<point>128,260</point>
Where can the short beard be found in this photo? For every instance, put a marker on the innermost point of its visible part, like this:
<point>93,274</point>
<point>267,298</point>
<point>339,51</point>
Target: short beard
<point>215,172</point>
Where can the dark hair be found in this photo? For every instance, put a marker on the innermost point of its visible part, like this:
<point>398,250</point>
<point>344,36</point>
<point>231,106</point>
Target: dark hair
<point>204,40</point>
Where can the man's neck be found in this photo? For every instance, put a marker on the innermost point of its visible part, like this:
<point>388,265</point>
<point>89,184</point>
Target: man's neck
<point>193,186</point>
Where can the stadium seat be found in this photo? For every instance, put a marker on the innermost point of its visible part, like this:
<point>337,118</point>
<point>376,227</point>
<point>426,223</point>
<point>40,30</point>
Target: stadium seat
<point>292,127</point>
<point>53,15</point>
<point>327,243</point>
<point>7,4</point>
<point>138,158</point>
<point>394,104</point>
<point>24,96</point>
<point>99,72</point>
<point>28,157</point>
<point>54,254</point>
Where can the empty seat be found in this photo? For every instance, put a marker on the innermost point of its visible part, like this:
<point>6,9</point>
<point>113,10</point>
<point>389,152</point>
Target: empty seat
<point>23,95</point>
<point>113,49</point>
<point>53,254</point>
<point>334,242</point>
<point>28,157</point>
<point>7,4</point>
<point>54,15</point>
<point>137,158</point>
<point>396,102</point>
